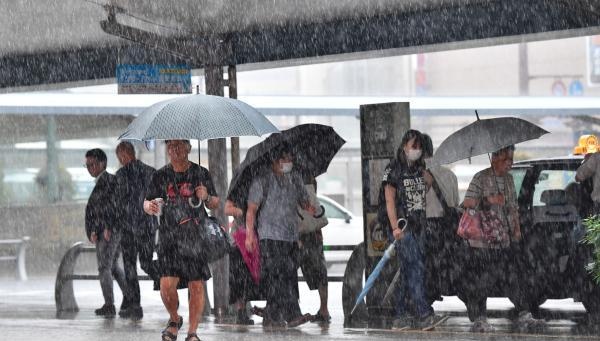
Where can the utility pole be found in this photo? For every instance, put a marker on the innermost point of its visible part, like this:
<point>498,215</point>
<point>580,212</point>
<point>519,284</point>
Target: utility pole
<point>52,171</point>
<point>235,141</point>
<point>217,165</point>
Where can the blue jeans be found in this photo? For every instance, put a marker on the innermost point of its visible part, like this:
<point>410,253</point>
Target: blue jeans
<point>411,286</point>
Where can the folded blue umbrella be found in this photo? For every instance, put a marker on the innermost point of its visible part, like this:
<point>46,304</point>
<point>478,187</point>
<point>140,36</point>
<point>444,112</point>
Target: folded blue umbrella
<point>389,253</point>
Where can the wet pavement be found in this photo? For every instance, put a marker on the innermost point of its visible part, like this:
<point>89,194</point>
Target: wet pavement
<point>27,312</point>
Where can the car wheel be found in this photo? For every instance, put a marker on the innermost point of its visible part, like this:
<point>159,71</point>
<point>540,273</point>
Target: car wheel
<point>352,286</point>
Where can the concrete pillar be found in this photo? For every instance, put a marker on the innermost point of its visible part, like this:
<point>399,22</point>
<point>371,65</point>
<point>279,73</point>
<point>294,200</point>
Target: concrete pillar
<point>160,154</point>
<point>51,161</point>
<point>235,141</point>
<point>523,70</point>
<point>217,164</point>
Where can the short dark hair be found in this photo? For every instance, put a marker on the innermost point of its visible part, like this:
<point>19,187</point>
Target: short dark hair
<point>500,151</point>
<point>97,154</point>
<point>280,151</point>
<point>126,147</point>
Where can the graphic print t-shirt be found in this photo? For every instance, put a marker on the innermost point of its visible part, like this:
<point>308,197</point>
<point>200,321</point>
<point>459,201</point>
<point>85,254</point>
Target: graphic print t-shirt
<point>410,192</point>
<point>176,189</point>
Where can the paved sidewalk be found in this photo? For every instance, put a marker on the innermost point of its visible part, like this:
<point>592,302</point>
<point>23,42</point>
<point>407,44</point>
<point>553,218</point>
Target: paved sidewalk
<point>27,312</point>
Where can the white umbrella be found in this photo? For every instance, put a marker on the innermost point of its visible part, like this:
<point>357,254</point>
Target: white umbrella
<point>198,117</point>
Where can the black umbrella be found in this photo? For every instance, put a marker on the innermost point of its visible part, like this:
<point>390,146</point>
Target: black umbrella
<point>312,146</point>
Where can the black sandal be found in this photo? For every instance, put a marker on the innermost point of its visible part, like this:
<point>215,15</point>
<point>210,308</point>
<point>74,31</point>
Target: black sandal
<point>192,337</point>
<point>167,335</point>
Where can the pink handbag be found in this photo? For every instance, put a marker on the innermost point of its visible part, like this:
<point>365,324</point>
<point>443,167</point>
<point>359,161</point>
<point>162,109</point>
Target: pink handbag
<point>469,226</point>
<point>482,226</point>
<point>252,259</point>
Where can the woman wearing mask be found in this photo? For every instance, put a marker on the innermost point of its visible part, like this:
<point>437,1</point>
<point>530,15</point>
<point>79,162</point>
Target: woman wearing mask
<point>404,188</point>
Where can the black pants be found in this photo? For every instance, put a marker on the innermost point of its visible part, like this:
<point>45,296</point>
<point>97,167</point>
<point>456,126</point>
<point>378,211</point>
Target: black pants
<point>442,268</point>
<point>134,245</point>
<point>492,272</point>
<point>241,285</point>
<point>279,279</point>
<point>485,268</point>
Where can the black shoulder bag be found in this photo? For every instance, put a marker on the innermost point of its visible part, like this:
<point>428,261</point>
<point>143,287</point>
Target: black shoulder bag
<point>196,235</point>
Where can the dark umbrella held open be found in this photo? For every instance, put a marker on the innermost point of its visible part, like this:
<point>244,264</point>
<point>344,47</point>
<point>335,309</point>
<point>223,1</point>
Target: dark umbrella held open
<point>313,146</point>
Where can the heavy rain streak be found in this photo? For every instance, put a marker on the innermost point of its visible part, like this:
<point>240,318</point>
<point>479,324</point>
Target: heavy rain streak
<point>209,170</point>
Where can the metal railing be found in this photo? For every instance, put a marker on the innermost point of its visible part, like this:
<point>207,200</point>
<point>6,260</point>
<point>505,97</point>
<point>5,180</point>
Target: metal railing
<point>18,257</point>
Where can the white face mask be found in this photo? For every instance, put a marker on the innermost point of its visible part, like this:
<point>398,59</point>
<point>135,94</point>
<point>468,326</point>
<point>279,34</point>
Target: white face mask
<point>414,154</point>
<point>286,167</point>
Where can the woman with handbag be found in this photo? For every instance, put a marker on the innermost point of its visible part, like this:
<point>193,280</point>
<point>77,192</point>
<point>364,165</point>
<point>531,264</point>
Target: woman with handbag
<point>489,267</point>
<point>404,190</point>
<point>186,189</point>
<point>243,277</point>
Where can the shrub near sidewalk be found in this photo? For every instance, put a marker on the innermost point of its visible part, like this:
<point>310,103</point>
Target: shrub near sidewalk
<point>592,237</point>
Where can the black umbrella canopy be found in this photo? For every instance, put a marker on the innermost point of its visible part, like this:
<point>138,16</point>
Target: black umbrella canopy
<point>313,146</point>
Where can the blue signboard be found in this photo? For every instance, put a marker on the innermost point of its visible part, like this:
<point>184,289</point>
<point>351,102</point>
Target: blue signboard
<point>154,79</point>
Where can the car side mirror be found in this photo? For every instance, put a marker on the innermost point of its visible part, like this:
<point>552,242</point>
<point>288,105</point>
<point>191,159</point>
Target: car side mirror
<point>347,218</point>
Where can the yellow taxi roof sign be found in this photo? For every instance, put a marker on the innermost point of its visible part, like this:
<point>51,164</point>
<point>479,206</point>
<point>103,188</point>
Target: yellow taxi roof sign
<point>587,144</point>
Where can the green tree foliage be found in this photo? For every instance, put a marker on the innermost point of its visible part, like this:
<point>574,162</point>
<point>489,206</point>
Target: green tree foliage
<point>66,188</point>
<point>592,238</point>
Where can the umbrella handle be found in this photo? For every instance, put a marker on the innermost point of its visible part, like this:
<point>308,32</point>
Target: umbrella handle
<point>314,216</point>
<point>402,223</point>
<point>192,203</point>
<point>391,250</point>
<point>320,214</point>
